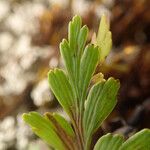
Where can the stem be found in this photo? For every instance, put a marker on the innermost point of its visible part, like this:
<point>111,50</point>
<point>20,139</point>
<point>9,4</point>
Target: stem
<point>79,137</point>
<point>81,129</point>
<point>88,142</point>
<point>78,115</point>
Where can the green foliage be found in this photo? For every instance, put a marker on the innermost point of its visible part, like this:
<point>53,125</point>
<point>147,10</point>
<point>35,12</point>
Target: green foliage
<point>45,129</point>
<point>139,141</point>
<point>61,87</point>
<point>100,102</point>
<point>87,106</point>
<point>109,142</point>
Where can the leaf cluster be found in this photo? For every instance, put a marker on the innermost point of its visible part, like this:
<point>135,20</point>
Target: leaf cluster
<point>86,104</point>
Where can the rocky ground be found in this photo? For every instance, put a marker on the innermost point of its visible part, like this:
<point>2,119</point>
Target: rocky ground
<point>23,69</point>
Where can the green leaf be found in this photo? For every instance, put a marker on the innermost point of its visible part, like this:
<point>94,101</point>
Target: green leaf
<point>104,39</point>
<point>100,102</point>
<point>106,46</point>
<point>74,29</point>
<point>103,30</point>
<point>139,141</point>
<point>88,65</point>
<point>109,142</point>
<point>82,39</point>
<point>63,123</point>
<point>71,51</point>
<point>44,129</point>
<point>63,129</point>
<point>67,57</point>
<point>61,88</point>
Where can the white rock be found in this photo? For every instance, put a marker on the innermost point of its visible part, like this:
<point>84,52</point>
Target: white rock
<point>8,130</point>
<point>62,3</point>
<point>36,53</point>
<point>23,134</point>
<point>6,41</point>
<point>38,144</point>
<point>41,94</point>
<point>37,9</point>
<point>16,23</point>
<point>3,146</point>
<point>25,17</point>
<point>80,7</point>
<point>14,82</point>
<point>53,62</point>
<point>4,9</point>
<point>7,123</point>
<point>22,46</point>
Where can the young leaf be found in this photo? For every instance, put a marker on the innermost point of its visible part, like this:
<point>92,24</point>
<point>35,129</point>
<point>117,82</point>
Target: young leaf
<point>104,39</point>
<point>89,61</point>
<point>74,28</point>
<point>106,46</point>
<point>44,129</point>
<point>109,142</point>
<point>62,89</point>
<point>100,102</point>
<point>103,30</point>
<point>139,141</point>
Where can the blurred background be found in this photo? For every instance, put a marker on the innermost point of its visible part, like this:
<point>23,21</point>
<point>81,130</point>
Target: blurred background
<point>30,33</point>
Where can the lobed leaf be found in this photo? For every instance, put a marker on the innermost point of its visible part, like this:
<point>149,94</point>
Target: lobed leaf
<point>88,64</point>
<point>82,39</point>
<point>61,88</point>
<point>44,129</point>
<point>139,141</point>
<point>74,29</point>
<point>109,142</point>
<point>68,57</point>
<point>72,50</point>
<point>100,102</point>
